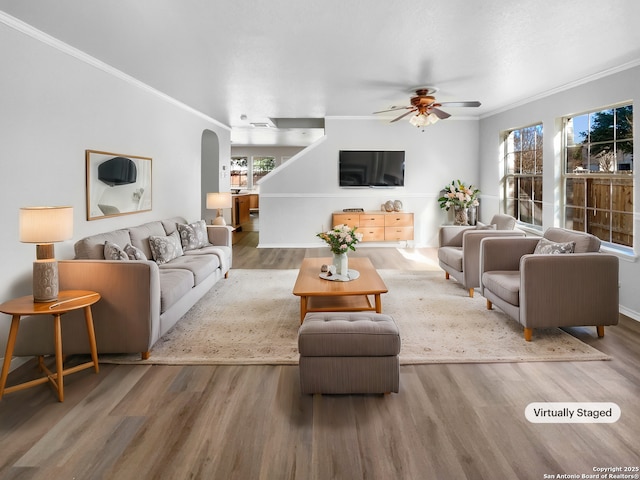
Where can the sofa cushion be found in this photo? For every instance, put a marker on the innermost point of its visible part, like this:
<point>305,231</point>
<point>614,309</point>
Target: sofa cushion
<point>165,248</point>
<point>504,283</point>
<point>585,242</point>
<point>134,253</point>
<point>451,256</point>
<point>92,248</point>
<point>140,236</point>
<point>193,235</point>
<point>174,284</point>
<point>200,266</point>
<point>113,251</point>
<point>348,334</point>
<point>545,246</point>
<point>170,225</point>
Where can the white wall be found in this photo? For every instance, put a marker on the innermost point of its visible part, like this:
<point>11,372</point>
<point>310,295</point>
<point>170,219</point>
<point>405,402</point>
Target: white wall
<point>615,88</point>
<point>54,106</point>
<point>296,201</point>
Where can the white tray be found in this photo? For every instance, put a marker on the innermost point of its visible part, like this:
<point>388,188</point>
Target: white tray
<point>352,275</point>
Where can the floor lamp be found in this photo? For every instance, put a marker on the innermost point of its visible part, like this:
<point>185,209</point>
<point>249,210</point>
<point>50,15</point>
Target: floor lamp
<point>219,201</point>
<point>44,226</point>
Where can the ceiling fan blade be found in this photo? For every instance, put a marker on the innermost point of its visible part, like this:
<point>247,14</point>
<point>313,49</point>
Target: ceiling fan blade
<point>461,104</point>
<point>392,109</point>
<point>440,114</point>
<point>404,115</point>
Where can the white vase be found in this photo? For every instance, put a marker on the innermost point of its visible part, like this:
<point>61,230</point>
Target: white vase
<point>341,262</point>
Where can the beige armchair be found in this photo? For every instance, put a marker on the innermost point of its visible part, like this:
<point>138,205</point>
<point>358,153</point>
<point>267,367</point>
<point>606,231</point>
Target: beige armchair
<point>541,290</point>
<point>459,248</point>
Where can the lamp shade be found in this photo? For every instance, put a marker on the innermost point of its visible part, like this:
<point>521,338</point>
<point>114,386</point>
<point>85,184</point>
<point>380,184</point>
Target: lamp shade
<point>46,224</point>
<point>218,200</point>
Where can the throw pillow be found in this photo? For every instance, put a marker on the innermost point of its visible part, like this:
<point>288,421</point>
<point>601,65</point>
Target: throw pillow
<point>545,246</point>
<point>194,235</point>
<point>165,248</point>
<point>114,252</point>
<point>482,226</point>
<point>134,253</point>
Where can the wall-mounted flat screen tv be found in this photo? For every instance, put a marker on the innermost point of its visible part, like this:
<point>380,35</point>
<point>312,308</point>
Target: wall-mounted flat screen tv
<point>369,168</point>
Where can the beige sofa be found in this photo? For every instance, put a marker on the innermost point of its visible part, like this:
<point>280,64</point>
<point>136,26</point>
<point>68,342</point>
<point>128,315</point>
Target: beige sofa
<point>548,289</point>
<point>459,248</point>
<point>141,299</point>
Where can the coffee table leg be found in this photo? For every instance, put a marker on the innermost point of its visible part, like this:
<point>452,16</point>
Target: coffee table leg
<point>11,341</point>
<point>303,308</point>
<point>378,303</point>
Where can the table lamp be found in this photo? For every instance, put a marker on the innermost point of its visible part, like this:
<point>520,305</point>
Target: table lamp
<point>219,201</point>
<point>44,226</point>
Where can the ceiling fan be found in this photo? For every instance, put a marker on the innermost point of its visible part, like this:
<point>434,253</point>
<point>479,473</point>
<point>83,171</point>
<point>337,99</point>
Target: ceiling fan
<point>426,108</point>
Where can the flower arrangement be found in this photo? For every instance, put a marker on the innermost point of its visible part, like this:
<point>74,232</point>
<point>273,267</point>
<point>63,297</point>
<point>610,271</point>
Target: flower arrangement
<point>341,238</point>
<point>459,195</point>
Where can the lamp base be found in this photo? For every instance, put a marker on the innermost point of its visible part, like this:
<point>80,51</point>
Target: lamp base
<point>45,280</point>
<point>219,220</point>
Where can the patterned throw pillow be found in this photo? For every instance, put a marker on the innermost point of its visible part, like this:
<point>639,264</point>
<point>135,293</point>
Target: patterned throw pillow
<point>114,252</point>
<point>134,253</point>
<point>545,246</point>
<point>482,226</point>
<point>165,248</point>
<point>194,235</point>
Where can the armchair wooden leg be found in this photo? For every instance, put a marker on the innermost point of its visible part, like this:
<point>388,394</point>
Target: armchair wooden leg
<point>600,329</point>
<point>145,355</point>
<point>471,292</point>
<point>489,305</point>
<point>528,333</point>
<point>446,275</point>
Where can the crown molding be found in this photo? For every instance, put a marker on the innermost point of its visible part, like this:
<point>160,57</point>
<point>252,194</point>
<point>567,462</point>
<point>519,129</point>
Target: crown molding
<point>565,87</point>
<point>67,49</point>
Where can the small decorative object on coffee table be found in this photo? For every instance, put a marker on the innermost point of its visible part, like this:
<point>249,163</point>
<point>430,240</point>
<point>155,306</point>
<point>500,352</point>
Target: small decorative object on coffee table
<point>341,239</point>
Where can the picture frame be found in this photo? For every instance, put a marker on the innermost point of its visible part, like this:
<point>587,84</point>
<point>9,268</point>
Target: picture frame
<point>117,184</point>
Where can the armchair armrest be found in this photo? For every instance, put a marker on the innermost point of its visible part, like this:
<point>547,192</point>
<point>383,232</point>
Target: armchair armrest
<point>569,289</point>
<point>220,235</point>
<point>451,235</point>
<point>502,253</point>
<point>127,316</point>
<point>471,240</point>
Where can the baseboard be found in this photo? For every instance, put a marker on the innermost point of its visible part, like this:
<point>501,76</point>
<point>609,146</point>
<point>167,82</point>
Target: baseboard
<point>629,313</point>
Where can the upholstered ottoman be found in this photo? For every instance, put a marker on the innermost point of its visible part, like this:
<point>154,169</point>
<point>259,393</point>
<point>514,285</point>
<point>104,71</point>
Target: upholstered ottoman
<point>351,352</point>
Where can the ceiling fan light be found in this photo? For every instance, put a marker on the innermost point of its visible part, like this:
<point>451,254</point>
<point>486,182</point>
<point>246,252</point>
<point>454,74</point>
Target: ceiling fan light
<point>423,120</point>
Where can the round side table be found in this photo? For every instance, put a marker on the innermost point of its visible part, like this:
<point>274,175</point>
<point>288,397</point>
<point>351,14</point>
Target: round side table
<point>67,301</point>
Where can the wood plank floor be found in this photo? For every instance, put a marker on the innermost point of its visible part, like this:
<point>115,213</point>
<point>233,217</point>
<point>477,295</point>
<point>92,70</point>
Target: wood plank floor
<point>452,421</point>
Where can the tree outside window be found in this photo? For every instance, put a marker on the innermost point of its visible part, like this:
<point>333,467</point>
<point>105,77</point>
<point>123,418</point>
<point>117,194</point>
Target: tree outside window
<point>598,174</point>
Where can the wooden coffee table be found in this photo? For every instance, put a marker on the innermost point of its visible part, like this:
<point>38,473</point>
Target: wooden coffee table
<point>319,295</point>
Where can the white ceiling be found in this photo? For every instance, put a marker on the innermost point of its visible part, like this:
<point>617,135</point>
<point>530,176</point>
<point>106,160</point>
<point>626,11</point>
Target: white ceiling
<point>313,59</point>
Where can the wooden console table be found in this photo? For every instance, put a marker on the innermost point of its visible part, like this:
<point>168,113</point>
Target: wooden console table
<point>378,226</point>
<point>67,301</point>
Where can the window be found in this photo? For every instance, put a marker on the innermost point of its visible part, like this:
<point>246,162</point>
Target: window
<point>523,174</point>
<point>245,174</point>
<point>598,174</point>
<point>239,169</point>
<point>261,166</point>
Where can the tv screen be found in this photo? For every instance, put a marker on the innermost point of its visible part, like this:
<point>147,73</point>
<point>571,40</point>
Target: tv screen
<point>368,168</point>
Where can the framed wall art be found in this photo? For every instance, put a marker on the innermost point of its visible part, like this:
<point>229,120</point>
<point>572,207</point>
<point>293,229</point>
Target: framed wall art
<point>117,184</point>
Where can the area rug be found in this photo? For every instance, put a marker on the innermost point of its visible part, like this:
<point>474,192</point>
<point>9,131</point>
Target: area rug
<point>253,318</point>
